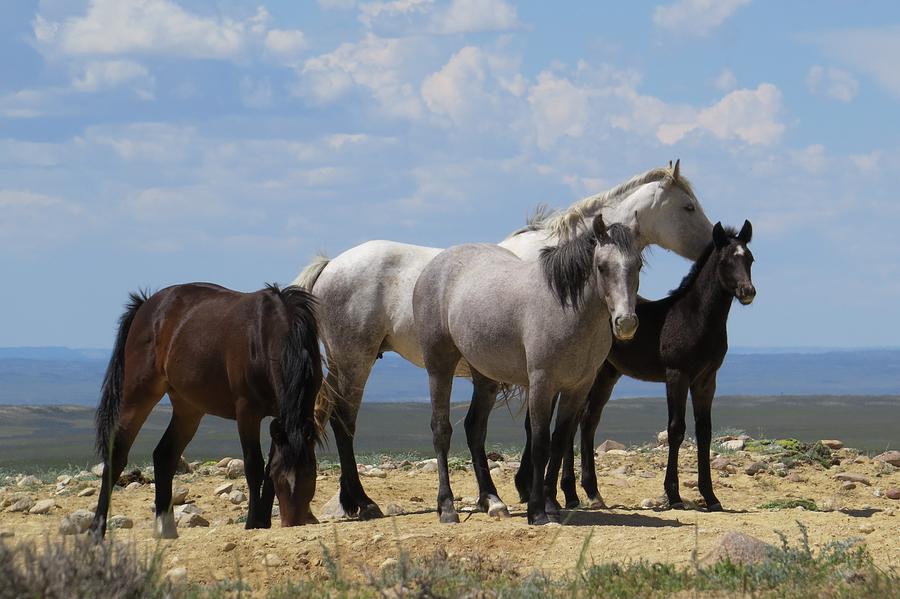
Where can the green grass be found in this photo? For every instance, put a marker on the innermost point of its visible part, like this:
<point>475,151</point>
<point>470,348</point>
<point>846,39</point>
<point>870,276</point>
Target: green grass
<point>788,504</point>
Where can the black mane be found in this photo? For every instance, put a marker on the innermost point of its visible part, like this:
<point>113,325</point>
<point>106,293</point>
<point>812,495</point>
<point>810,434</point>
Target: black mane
<point>689,279</point>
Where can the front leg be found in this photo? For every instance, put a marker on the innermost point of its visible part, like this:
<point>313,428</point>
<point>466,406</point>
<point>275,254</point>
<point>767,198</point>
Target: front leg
<point>677,385</point>
<point>598,397</point>
<point>254,468</point>
<point>540,406</point>
<point>571,407</point>
<point>703,391</point>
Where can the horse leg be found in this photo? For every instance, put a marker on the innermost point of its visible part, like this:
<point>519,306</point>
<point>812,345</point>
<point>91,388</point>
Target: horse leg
<point>598,397</point>
<point>484,395</point>
<point>248,422</point>
<point>540,404</point>
<point>135,406</point>
<point>569,412</point>
<point>703,391</point>
<point>676,397</point>
<point>350,384</point>
<point>441,364</point>
<point>523,474</point>
<point>179,433</point>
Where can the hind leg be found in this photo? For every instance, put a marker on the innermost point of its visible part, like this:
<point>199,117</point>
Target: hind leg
<point>484,396</point>
<point>179,433</point>
<point>570,407</point>
<point>523,474</point>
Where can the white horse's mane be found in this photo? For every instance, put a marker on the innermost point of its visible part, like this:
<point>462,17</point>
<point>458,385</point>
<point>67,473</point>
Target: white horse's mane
<point>566,223</point>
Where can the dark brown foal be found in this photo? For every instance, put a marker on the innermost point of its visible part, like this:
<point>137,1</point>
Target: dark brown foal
<point>241,356</point>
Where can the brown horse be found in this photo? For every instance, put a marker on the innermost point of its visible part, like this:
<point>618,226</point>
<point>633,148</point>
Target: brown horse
<point>241,356</point>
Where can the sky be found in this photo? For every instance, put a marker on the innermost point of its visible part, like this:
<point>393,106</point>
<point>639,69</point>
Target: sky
<point>150,142</point>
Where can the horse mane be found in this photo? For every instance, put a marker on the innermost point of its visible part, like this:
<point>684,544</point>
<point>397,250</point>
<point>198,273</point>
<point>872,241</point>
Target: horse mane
<point>687,283</point>
<point>565,224</point>
<point>568,266</point>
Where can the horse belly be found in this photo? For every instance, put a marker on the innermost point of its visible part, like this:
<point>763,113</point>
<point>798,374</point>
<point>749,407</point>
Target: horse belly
<point>494,351</point>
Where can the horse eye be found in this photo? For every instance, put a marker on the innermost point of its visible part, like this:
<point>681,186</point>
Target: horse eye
<point>690,208</point>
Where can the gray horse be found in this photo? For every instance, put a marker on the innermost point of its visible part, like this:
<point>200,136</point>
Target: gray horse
<point>543,325</point>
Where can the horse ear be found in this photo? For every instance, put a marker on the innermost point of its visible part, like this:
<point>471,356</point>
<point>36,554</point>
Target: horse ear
<point>720,237</point>
<point>677,170</point>
<point>599,227</point>
<point>746,233</point>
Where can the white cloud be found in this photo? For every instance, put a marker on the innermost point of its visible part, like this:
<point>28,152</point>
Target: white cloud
<point>392,11</point>
<point>725,81</point>
<point>337,4</point>
<point>870,50</point>
<point>287,43</point>
<point>811,158</point>
<point>695,17</point>
<point>256,93</point>
<point>106,74</point>
<point>29,103</point>
<point>867,163</point>
<point>559,108</point>
<point>750,115</point>
<point>470,16</point>
<point>34,220</point>
<point>834,83</point>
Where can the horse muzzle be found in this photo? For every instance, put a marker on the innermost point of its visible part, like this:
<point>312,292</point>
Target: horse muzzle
<point>625,326</point>
<point>746,294</point>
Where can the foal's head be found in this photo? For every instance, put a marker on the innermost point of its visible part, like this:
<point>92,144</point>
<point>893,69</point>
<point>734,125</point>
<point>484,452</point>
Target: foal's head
<point>293,475</point>
<point>735,262</point>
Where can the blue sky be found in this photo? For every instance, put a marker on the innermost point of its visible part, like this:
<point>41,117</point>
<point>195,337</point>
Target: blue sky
<point>151,142</point>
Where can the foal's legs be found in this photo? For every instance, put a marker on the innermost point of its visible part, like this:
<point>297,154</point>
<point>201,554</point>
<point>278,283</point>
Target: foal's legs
<point>598,397</point>
<point>484,396</point>
<point>676,397</point>
<point>570,407</point>
<point>349,386</point>
<point>181,430</point>
<point>703,390</point>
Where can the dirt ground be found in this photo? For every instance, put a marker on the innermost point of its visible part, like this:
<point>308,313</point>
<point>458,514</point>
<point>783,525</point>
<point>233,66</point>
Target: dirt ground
<point>626,532</point>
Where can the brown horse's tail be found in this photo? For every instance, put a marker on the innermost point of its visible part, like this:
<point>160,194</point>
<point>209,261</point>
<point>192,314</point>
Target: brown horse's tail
<point>107,417</point>
<point>301,374</point>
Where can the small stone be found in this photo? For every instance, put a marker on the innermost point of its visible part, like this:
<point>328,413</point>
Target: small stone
<point>733,445</point>
<point>235,469</point>
<point>375,473</point>
<point>187,508</point>
<point>390,562</point>
<point>755,468</point>
<point>97,469</point>
<point>177,574</point>
<point>662,438</point>
<point>332,510</point>
<point>87,492</point>
<point>796,478</point>
<point>623,471</point>
<point>183,466</point>
<point>651,503</point>
<point>63,479</point>
<point>832,444</point>
<point>492,465</point>
<point>854,478</point>
<point>720,463</point>
<point>223,463</point>
<point>393,509</point>
<point>230,545</point>
<point>866,528</point>
<point>271,560</point>
<point>5,533</point>
<point>428,465</point>
<point>415,499</point>
<point>120,522</point>
<point>192,521</point>
<point>133,486</point>
<point>237,497</point>
<point>690,484</point>
<point>29,481</point>
<point>179,495</point>
<point>42,507</point>
<point>23,504</point>
<point>848,486</point>
<point>609,444</point>
<point>889,457</point>
<point>76,522</point>
<point>496,456</point>
<point>739,549</point>
<point>223,488</point>
<point>615,452</point>
<point>892,493</point>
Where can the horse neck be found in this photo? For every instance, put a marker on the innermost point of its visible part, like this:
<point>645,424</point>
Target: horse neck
<point>622,210</point>
<point>714,303</point>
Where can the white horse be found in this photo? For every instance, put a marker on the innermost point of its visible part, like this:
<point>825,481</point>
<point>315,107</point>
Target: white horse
<point>366,292</point>
<point>546,325</point>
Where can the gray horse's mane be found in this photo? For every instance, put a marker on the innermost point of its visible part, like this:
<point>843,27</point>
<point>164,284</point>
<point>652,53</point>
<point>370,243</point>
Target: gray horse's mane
<point>565,224</point>
<point>568,267</point>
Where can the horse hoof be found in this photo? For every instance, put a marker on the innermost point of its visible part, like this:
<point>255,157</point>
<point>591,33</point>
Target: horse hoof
<point>572,504</point>
<point>596,503</point>
<point>678,505</point>
<point>165,527</point>
<point>497,509</point>
<point>449,518</point>
<point>715,507</point>
<point>370,512</point>
<point>539,520</point>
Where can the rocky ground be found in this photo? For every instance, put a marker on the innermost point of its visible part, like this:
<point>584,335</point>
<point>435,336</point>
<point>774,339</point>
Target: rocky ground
<point>766,488</point>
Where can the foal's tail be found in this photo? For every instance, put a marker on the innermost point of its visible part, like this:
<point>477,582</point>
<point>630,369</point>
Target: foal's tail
<point>301,374</point>
<point>308,277</point>
<point>111,391</point>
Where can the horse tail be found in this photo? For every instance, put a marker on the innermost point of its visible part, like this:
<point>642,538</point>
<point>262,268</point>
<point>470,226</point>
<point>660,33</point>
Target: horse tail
<point>301,374</point>
<point>308,277</point>
<point>107,417</point>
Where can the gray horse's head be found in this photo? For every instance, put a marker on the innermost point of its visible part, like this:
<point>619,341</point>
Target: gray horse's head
<point>607,258</point>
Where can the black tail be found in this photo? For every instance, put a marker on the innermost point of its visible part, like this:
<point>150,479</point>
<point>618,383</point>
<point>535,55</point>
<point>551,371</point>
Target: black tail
<point>111,392</point>
<point>301,374</point>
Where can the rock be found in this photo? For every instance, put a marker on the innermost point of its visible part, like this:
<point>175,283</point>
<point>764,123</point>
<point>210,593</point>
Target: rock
<point>796,478</point>
<point>192,521</point>
<point>690,484</point>
<point>651,503</point>
<point>616,452</point>
<point>87,492</point>
<point>236,497</point>
<point>42,507</point>
<point>892,493</point>
<point>755,468</point>
<point>866,528</point>
<point>183,467</point>
<point>492,464</point>
<point>853,478</point>
<point>11,499</point>
<point>187,508</point>
<point>230,545</point>
<point>133,486</point>
<point>496,457</point>
<point>271,560</point>
<point>120,522</point>
<point>832,444</point>
<point>623,471</point>
<point>393,509</point>
<point>97,469</point>
<point>23,504</point>
<point>740,549</point>
<point>29,481</point>
<point>889,457</point>
<point>733,445</point>
<point>609,444</point>
<point>76,522</point>
<point>223,488</point>
<point>375,473</point>
<point>63,479</point>
<point>179,495</point>
<point>235,469</point>
<point>662,439</point>
<point>135,476</point>
<point>848,486</point>
<point>223,463</point>
<point>720,463</point>
<point>177,575</point>
<point>5,533</point>
<point>387,564</point>
<point>428,465</point>
<point>332,510</point>
<point>416,499</point>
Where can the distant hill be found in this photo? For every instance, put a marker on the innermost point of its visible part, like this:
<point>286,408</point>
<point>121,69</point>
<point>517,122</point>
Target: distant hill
<point>60,375</point>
